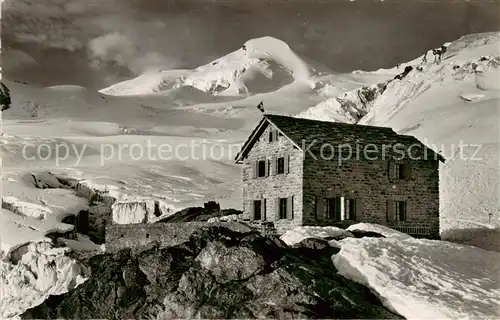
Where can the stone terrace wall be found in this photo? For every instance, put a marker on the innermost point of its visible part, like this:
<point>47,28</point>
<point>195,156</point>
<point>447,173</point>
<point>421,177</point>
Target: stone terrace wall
<point>120,236</point>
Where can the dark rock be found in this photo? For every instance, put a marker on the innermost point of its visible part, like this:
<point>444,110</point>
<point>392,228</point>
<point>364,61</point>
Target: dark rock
<point>211,205</point>
<point>312,243</point>
<point>218,273</point>
<point>362,234</point>
<point>192,214</point>
<point>228,263</point>
<point>5,99</point>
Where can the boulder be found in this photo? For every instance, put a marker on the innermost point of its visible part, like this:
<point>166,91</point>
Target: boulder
<point>363,233</point>
<point>312,243</point>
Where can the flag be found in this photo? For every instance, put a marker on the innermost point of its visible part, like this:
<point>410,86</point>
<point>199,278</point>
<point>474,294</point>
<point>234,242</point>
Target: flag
<point>261,107</point>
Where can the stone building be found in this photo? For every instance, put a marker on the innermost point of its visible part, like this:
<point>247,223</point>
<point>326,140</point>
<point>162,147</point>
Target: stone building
<point>306,172</point>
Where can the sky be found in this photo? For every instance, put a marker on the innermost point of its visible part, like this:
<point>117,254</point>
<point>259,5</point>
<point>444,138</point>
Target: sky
<point>95,43</point>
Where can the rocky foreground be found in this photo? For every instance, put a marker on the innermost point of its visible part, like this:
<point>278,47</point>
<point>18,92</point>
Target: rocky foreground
<point>218,273</point>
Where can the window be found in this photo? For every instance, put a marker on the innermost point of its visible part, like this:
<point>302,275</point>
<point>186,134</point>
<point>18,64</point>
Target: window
<point>333,208</point>
<point>349,209</point>
<point>400,210</point>
<point>400,171</point>
<point>273,135</point>
<point>261,168</point>
<point>280,165</point>
<point>283,207</point>
<point>339,209</point>
<point>257,209</point>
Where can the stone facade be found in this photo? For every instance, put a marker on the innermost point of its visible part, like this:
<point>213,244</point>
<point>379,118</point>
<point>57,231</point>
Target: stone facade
<point>362,183</point>
<point>368,183</point>
<point>274,186</point>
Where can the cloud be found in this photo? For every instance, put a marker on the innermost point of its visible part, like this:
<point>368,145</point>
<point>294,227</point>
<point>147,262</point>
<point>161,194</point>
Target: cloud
<point>44,23</point>
<point>113,47</point>
<point>118,49</point>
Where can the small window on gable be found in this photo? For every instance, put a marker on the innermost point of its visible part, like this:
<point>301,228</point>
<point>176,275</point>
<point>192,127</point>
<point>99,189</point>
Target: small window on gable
<point>273,135</point>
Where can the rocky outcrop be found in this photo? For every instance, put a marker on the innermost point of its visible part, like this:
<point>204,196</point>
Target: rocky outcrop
<point>5,100</point>
<point>209,212</point>
<point>349,106</point>
<point>218,273</point>
<point>363,233</point>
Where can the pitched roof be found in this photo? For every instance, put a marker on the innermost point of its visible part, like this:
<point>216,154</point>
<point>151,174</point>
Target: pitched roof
<point>311,135</point>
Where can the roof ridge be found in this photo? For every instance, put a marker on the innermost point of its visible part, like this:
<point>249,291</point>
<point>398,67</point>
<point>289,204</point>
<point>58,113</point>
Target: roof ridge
<point>331,122</point>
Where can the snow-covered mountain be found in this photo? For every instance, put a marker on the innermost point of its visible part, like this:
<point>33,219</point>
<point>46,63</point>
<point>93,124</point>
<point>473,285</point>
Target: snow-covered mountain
<point>260,65</point>
<point>58,138</point>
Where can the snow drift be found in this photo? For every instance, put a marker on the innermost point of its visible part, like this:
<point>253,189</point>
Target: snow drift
<point>298,234</point>
<point>424,279</point>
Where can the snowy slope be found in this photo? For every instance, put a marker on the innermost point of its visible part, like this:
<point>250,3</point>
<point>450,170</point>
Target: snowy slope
<point>425,279</point>
<point>415,278</point>
<point>451,106</point>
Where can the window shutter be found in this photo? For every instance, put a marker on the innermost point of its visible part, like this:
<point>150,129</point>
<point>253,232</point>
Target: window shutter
<point>408,210</point>
<point>289,207</point>
<point>266,172</point>
<point>320,207</point>
<point>390,210</point>
<point>275,164</point>
<point>407,168</point>
<point>277,209</point>
<point>287,163</point>
<point>252,209</point>
<point>391,169</point>
<point>255,168</point>
<point>324,201</point>
<point>357,208</point>
<point>263,209</point>
<point>338,206</point>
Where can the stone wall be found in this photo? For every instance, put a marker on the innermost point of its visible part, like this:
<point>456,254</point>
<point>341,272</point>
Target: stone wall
<point>139,211</point>
<point>368,182</point>
<point>274,186</point>
<point>120,236</point>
